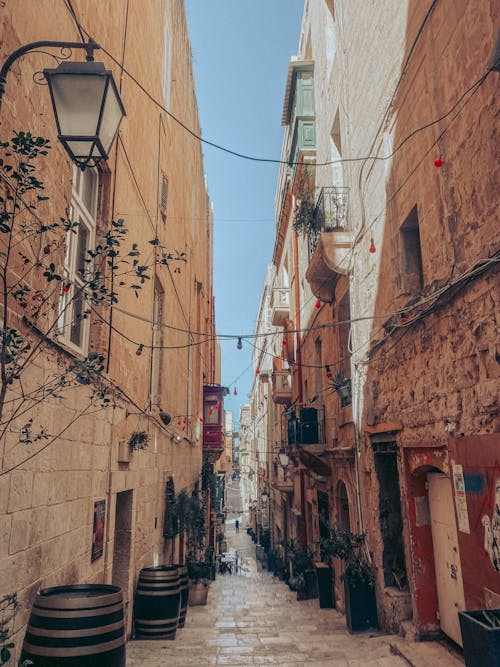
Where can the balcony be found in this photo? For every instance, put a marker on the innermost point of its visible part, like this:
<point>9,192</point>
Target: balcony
<point>282,386</point>
<point>213,409</point>
<point>280,306</point>
<point>285,486</point>
<point>330,241</point>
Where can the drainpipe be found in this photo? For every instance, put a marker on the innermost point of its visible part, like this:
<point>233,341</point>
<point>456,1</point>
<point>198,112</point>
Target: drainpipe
<point>298,359</point>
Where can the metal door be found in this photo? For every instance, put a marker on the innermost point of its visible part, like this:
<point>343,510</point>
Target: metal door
<point>449,583</point>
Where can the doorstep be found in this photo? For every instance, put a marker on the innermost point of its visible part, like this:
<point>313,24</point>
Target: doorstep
<point>424,654</point>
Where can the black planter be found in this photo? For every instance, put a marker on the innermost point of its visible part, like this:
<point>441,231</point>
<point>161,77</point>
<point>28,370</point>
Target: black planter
<point>311,584</point>
<point>360,606</point>
<point>481,641</point>
<point>271,562</point>
<point>324,576</point>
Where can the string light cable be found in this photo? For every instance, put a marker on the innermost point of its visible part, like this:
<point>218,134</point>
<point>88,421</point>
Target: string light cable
<point>230,151</point>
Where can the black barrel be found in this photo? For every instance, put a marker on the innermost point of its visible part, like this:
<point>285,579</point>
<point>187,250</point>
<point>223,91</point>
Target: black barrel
<point>183,581</point>
<point>77,626</point>
<point>157,602</point>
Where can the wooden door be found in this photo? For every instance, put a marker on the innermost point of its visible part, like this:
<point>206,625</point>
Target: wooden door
<point>449,583</point>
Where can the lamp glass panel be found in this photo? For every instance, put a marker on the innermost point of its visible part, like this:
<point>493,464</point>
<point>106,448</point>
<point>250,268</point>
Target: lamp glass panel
<point>82,148</point>
<point>77,100</point>
<point>111,117</point>
<point>284,459</point>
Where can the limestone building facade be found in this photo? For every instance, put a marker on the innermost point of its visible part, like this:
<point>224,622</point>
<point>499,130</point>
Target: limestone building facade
<point>108,405</point>
<point>385,294</point>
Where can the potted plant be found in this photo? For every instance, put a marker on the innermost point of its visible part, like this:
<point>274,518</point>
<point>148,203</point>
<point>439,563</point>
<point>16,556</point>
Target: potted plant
<point>342,386</point>
<point>198,565</point>
<point>303,578</point>
<point>358,576</point>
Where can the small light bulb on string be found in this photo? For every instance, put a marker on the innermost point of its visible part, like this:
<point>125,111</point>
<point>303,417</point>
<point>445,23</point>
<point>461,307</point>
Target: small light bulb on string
<point>257,372</point>
<point>235,392</point>
<point>283,342</point>
<point>201,420</point>
<point>210,412</point>
<point>66,287</point>
<point>239,344</point>
<point>438,162</point>
<point>178,422</point>
<point>139,350</point>
<point>216,406</point>
<point>372,247</point>
<point>328,371</point>
<point>318,304</point>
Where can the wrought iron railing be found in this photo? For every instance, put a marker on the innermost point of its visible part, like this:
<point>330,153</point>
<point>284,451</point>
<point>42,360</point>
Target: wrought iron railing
<point>330,214</point>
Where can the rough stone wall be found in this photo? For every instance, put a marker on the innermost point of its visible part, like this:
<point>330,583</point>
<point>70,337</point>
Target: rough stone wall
<point>437,375</point>
<point>47,503</point>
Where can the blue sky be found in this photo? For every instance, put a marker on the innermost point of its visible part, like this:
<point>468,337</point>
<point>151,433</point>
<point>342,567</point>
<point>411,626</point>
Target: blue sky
<point>241,52</point>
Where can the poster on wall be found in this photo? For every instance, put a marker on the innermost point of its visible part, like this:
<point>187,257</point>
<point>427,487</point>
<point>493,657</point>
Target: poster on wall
<point>98,530</point>
<point>460,498</point>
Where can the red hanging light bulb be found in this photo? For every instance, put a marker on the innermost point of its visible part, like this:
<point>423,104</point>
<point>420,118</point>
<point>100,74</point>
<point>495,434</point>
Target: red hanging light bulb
<point>438,162</point>
<point>318,304</point>
<point>201,419</point>
<point>329,373</point>
<point>66,287</point>
<point>239,344</point>
<point>139,350</point>
<point>372,247</point>
<point>216,406</point>
<point>283,342</point>
<point>257,372</point>
<point>178,422</point>
<point>210,412</point>
<point>235,393</point>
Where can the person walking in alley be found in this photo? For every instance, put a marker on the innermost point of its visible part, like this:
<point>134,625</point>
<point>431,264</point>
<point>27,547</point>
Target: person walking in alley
<point>237,525</point>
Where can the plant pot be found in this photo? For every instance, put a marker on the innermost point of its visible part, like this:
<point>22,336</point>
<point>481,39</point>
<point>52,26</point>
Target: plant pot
<point>271,562</point>
<point>360,605</point>
<point>302,594</point>
<point>481,642</point>
<point>311,584</point>
<point>324,577</point>
<point>198,592</point>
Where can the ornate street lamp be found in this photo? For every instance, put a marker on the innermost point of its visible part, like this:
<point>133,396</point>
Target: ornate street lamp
<point>284,458</point>
<point>87,106</point>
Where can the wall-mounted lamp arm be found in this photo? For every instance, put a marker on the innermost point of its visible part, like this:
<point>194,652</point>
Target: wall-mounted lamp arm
<point>89,47</point>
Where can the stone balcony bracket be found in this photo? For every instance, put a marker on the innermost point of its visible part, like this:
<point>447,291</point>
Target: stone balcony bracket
<point>330,260</point>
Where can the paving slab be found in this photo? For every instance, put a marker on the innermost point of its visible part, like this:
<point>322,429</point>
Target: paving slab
<point>252,618</point>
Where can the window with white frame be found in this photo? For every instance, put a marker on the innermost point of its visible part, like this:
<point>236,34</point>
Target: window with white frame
<point>73,324</point>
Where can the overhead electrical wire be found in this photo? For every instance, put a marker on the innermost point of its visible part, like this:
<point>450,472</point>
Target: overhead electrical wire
<point>245,156</point>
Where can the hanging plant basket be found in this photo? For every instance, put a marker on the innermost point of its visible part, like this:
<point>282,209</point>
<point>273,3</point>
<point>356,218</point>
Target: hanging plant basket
<point>138,440</point>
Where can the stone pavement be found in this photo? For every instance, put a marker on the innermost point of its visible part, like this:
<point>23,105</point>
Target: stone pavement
<point>254,619</point>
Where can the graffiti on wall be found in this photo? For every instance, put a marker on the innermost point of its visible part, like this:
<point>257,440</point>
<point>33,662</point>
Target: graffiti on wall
<point>492,530</point>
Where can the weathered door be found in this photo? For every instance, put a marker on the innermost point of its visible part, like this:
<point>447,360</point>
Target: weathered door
<point>449,583</point>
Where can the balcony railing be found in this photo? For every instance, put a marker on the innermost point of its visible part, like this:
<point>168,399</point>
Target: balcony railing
<point>330,214</point>
<point>280,306</point>
<point>308,429</point>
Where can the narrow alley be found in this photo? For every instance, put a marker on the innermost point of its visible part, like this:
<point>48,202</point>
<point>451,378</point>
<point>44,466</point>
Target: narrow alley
<point>253,618</point>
